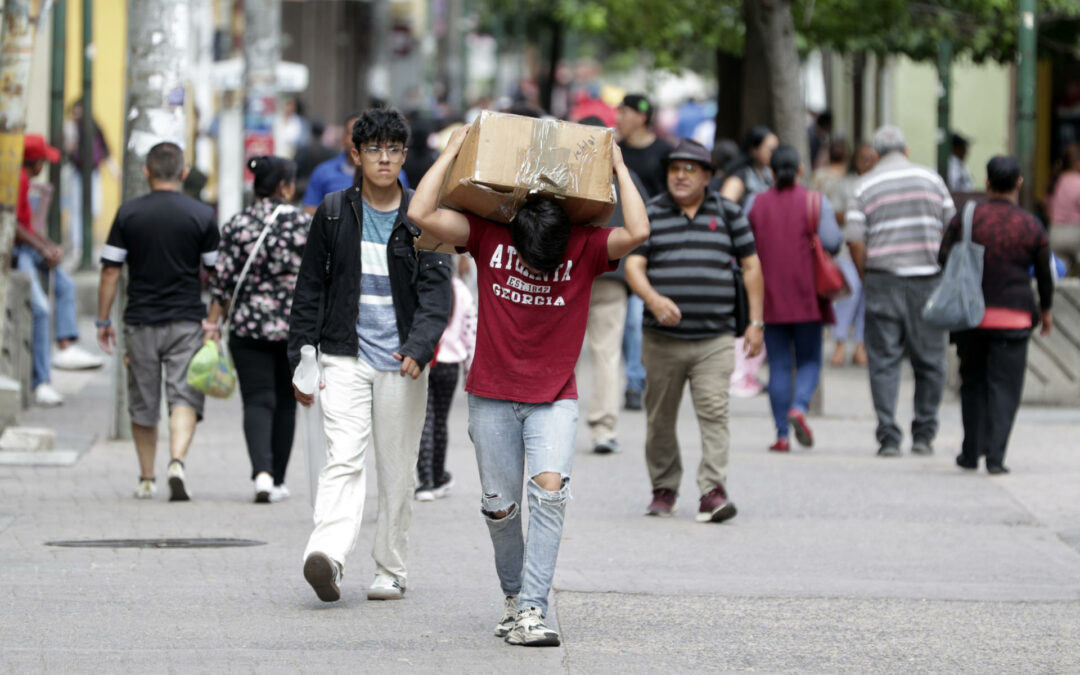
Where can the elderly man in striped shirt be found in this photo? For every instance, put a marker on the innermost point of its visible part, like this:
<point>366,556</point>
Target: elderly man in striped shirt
<point>895,221</point>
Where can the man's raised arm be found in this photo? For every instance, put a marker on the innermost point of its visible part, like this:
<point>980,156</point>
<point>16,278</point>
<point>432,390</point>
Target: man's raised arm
<point>446,225</point>
<point>635,229</point>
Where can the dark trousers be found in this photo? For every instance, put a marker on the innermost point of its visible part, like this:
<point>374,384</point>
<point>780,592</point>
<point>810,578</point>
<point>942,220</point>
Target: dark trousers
<point>992,380</point>
<point>894,324</point>
<point>262,368</point>
<point>431,464</point>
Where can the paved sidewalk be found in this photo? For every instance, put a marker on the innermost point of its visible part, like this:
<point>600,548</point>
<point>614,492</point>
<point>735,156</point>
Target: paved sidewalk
<point>838,560</point>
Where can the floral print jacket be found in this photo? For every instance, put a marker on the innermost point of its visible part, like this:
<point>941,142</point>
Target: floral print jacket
<point>263,303</point>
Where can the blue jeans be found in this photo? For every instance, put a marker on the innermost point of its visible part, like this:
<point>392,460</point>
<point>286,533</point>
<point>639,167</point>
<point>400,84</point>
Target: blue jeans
<point>792,346</point>
<point>67,328</point>
<point>631,343</point>
<point>508,436</point>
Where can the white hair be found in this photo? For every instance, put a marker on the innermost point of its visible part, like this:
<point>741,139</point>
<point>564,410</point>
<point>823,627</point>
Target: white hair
<point>889,139</point>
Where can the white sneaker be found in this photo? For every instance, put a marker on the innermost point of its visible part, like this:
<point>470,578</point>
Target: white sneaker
<point>264,485</point>
<point>385,587</point>
<point>75,358</point>
<point>178,491</point>
<point>46,396</point>
<point>324,575</point>
<point>531,631</point>
<point>425,494</point>
<point>280,493</point>
<point>510,615</point>
<point>146,490</point>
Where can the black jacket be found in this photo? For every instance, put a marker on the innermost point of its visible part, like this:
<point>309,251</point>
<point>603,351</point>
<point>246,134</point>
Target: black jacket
<point>326,300</point>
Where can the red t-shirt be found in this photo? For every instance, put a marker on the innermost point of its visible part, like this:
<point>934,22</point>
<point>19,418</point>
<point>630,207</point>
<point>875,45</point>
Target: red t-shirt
<point>23,213</point>
<point>531,327</point>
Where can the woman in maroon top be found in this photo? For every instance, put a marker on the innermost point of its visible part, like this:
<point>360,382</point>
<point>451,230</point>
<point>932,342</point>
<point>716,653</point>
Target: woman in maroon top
<point>794,314</point>
<point>993,356</point>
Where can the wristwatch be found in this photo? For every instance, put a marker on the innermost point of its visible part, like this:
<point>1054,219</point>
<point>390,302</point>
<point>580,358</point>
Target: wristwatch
<point>758,324</point>
<point>98,323</point>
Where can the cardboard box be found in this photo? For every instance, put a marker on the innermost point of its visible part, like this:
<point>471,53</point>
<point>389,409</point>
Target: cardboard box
<point>506,158</point>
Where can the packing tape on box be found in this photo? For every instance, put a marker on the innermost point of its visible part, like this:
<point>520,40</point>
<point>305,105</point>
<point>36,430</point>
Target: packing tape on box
<point>544,168</point>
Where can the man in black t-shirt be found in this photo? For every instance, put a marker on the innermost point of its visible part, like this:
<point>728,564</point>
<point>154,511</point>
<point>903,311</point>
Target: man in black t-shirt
<point>163,237</point>
<point>644,153</point>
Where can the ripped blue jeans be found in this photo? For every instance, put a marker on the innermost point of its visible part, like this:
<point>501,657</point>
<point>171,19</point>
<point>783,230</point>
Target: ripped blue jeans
<point>508,437</point>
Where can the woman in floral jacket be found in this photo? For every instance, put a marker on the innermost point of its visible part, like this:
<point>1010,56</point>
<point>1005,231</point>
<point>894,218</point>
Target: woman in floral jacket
<point>259,325</point>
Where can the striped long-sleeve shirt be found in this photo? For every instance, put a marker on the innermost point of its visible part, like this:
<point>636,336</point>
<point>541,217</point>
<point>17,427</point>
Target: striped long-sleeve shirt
<point>900,210</point>
<point>689,260</point>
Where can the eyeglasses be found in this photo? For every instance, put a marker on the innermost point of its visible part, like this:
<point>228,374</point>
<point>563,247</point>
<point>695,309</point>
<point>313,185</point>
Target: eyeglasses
<point>689,168</point>
<point>393,152</point>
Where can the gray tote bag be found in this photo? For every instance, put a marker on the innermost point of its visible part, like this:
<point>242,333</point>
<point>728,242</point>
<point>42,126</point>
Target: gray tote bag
<point>958,304</point>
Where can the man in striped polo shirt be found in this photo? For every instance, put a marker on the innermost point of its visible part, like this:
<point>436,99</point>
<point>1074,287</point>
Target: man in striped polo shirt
<point>683,272</point>
<point>895,221</point>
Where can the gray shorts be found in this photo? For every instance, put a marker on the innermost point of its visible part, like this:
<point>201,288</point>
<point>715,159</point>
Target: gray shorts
<point>149,347</point>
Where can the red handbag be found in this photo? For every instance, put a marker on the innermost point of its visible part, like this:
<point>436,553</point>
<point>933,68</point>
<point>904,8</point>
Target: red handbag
<point>829,281</point>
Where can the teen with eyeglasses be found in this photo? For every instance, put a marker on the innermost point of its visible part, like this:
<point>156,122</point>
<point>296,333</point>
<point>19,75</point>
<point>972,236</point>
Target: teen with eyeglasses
<point>375,308</point>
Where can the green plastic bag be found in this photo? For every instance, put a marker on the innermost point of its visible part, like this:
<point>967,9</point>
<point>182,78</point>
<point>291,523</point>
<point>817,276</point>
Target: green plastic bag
<point>211,371</point>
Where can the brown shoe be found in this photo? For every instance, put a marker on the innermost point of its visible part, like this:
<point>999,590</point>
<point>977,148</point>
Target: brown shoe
<point>663,503</point>
<point>715,507</point>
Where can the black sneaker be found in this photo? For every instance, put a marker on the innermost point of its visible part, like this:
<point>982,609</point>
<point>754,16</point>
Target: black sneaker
<point>443,485</point>
<point>633,399</point>
<point>997,469</point>
<point>178,491</point>
<point>606,447</point>
<point>888,451</point>
<point>963,462</point>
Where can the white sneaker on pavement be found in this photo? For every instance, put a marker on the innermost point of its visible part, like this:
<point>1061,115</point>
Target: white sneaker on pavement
<point>146,490</point>
<point>75,358</point>
<point>510,615</point>
<point>178,491</point>
<point>264,486</point>
<point>47,397</point>
<point>280,493</point>
<point>531,631</point>
<point>385,587</point>
<point>324,575</point>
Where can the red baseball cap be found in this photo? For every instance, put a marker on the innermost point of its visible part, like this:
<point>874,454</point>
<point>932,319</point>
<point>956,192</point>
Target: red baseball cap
<point>35,148</point>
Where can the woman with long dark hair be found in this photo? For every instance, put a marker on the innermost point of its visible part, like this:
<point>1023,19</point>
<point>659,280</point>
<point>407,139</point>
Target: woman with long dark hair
<point>784,219</point>
<point>259,323</point>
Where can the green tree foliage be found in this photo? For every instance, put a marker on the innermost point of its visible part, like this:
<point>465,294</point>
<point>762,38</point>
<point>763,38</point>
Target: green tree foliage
<point>673,30</point>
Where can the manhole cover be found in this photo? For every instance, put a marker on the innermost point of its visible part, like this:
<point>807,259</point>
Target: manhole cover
<point>155,543</point>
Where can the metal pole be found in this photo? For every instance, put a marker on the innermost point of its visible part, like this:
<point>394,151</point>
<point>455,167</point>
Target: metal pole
<point>86,136</point>
<point>157,70</point>
<point>944,95</point>
<point>262,52</point>
<point>1026,83</point>
<point>56,111</point>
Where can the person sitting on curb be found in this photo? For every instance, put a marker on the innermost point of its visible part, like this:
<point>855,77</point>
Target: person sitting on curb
<point>34,254</point>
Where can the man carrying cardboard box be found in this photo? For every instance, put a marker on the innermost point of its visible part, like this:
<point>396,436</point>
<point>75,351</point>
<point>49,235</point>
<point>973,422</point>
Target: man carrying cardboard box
<point>533,274</point>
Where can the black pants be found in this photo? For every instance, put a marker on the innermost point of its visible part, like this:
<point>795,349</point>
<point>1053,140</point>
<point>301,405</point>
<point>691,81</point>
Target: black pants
<point>992,365</point>
<point>262,368</point>
<point>442,381</point>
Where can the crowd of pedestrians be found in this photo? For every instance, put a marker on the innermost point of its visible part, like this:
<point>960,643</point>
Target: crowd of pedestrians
<point>719,271</point>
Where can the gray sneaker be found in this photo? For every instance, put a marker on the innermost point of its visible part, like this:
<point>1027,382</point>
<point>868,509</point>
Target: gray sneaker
<point>888,451</point>
<point>923,448</point>
<point>510,615</point>
<point>531,631</point>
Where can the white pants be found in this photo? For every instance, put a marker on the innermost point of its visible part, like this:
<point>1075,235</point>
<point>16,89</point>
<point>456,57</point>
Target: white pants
<point>364,407</point>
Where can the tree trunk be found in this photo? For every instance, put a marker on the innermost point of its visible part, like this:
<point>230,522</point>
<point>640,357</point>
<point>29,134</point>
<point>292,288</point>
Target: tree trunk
<point>756,104</point>
<point>547,86</point>
<point>20,19</point>
<point>789,116</point>
<point>157,70</point>
<point>729,92</point>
